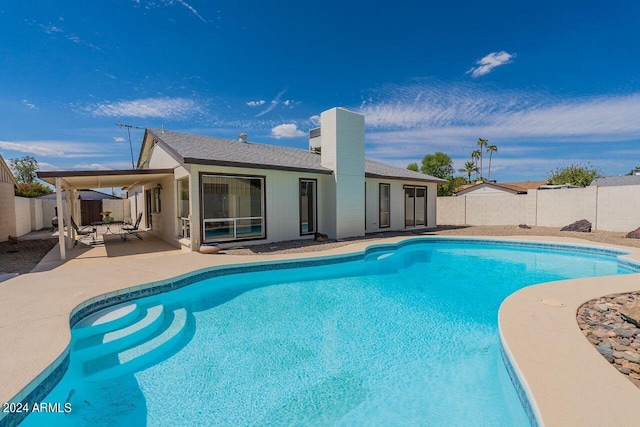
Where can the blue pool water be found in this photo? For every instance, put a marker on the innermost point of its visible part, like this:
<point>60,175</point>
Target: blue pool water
<point>400,336</point>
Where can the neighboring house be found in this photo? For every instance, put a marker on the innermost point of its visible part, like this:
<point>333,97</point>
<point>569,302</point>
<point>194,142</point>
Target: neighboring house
<point>493,189</point>
<point>7,202</point>
<point>91,204</point>
<point>226,190</point>
<point>615,181</point>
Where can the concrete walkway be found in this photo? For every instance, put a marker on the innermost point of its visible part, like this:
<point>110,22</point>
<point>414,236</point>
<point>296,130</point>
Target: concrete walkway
<point>571,383</point>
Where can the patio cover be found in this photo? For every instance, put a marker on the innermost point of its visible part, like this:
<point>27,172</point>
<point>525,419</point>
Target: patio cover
<point>74,180</point>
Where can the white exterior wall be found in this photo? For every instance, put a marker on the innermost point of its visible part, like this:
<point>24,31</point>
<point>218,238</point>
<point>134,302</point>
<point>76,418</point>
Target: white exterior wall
<point>7,211</point>
<point>342,142</point>
<point>160,159</point>
<point>117,208</point>
<point>557,208</point>
<point>48,212</point>
<point>488,191</point>
<point>607,208</point>
<point>397,214</point>
<point>36,214</point>
<point>500,210</point>
<point>618,208</point>
<point>23,215</point>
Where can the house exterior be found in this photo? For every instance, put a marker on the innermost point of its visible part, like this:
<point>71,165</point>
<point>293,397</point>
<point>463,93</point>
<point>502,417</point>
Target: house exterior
<point>616,181</point>
<point>7,202</point>
<point>229,191</point>
<point>495,189</point>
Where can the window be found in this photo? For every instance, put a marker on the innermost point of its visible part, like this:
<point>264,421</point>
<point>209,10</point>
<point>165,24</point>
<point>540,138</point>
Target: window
<point>415,206</point>
<point>233,208</point>
<point>308,206</point>
<point>183,207</point>
<point>384,219</point>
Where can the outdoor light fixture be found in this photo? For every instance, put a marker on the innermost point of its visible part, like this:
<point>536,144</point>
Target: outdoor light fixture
<point>159,187</point>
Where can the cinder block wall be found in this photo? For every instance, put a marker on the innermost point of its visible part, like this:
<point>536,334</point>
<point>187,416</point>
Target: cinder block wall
<point>7,212</point>
<point>22,215</point>
<point>607,208</point>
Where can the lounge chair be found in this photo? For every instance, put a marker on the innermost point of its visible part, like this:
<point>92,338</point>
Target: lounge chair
<point>132,229</point>
<point>87,230</point>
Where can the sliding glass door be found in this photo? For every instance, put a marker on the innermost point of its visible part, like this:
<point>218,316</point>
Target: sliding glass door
<point>307,206</point>
<point>415,206</point>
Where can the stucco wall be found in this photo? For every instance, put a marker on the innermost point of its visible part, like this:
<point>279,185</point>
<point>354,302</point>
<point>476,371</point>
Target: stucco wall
<point>396,220</point>
<point>607,208</point>
<point>36,214</point>
<point>119,212</point>
<point>557,208</point>
<point>23,215</point>
<point>501,209</point>
<point>7,212</point>
<point>618,208</point>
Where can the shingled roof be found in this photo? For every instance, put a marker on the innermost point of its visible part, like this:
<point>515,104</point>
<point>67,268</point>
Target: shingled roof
<point>614,181</point>
<point>207,150</point>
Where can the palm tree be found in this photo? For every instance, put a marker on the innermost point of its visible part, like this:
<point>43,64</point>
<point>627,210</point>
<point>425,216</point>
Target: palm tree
<point>475,155</point>
<point>482,143</point>
<point>491,149</point>
<point>469,168</point>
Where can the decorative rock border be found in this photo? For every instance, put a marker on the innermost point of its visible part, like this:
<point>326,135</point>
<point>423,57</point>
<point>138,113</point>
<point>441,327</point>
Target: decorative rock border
<point>615,338</point>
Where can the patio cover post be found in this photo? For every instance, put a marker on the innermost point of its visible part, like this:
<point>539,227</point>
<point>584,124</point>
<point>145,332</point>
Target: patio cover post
<point>67,215</point>
<point>61,242</point>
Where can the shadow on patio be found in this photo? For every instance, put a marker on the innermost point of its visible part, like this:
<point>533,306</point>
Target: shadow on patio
<point>150,244</point>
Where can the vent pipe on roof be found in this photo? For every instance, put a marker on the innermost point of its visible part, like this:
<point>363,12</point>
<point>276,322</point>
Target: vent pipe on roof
<point>242,137</point>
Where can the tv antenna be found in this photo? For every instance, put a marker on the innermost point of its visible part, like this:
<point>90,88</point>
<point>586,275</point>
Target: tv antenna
<point>122,125</point>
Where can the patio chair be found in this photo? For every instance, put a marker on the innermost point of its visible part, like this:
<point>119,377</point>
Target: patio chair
<point>83,232</point>
<point>132,229</point>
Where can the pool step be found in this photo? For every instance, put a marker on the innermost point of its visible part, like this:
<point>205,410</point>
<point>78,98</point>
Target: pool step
<point>106,320</point>
<point>95,346</point>
<point>144,353</point>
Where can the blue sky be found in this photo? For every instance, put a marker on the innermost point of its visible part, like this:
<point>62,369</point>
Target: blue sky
<point>549,83</point>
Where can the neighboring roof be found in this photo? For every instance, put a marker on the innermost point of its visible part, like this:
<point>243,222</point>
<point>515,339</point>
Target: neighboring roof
<point>108,178</point>
<point>206,150</point>
<point>612,181</point>
<point>5,173</point>
<point>511,187</point>
<point>84,195</point>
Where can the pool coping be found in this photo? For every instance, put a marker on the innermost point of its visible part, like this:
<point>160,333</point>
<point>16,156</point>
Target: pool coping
<point>509,323</point>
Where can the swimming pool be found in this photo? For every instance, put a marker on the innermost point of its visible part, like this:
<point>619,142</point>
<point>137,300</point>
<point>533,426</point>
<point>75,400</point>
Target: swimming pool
<point>400,335</point>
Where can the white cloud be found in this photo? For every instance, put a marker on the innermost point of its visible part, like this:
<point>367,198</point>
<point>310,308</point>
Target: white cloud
<point>91,166</point>
<point>315,119</point>
<point>287,130</point>
<point>256,103</point>
<point>489,62</point>
<point>164,108</point>
<point>118,139</point>
<point>192,10</point>
<point>29,105</point>
<point>273,104</point>
<point>55,148</point>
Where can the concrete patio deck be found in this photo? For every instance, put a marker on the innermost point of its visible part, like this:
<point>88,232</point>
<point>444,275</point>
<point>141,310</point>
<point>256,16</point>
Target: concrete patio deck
<point>571,383</point>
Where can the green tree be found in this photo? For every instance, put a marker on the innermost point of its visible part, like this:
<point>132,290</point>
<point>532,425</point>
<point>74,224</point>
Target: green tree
<point>482,143</point>
<point>469,168</point>
<point>25,169</point>
<point>634,170</point>
<point>491,149</point>
<point>413,167</point>
<point>475,156</point>
<point>453,183</point>
<point>574,174</point>
<point>439,165</point>
<point>34,189</point>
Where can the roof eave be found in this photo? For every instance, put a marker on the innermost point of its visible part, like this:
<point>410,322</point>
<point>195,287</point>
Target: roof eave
<point>404,178</point>
<point>208,162</point>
